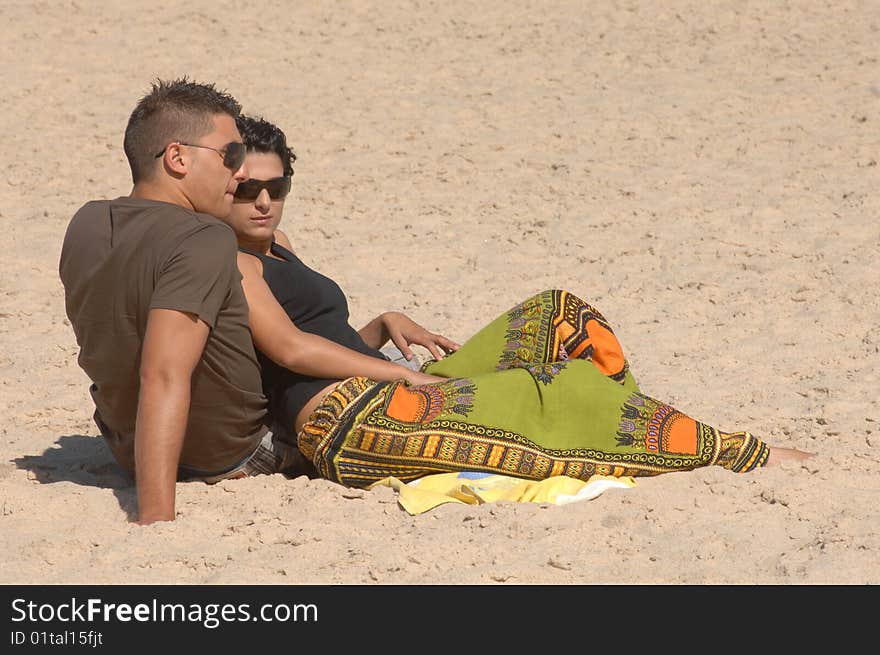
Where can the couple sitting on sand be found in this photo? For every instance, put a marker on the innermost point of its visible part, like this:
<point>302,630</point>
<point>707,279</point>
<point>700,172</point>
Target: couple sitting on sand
<point>217,353</point>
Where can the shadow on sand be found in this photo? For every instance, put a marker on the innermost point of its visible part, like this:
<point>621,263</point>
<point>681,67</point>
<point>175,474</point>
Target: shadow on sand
<point>86,461</point>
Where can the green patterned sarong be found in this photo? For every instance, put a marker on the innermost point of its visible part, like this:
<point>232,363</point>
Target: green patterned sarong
<point>543,390</point>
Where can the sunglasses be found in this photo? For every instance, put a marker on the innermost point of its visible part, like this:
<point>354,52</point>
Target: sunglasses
<point>277,187</point>
<point>233,153</point>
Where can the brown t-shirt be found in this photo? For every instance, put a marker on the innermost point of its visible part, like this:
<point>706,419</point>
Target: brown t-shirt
<point>120,259</point>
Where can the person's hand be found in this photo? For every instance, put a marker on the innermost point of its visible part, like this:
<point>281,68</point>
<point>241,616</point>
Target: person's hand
<point>417,378</point>
<point>405,332</point>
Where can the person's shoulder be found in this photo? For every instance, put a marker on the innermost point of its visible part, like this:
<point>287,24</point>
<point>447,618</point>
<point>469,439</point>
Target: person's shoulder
<point>282,239</point>
<point>179,225</point>
<point>165,216</point>
<point>93,206</point>
<point>185,218</point>
<point>192,222</point>
<point>87,225</point>
<point>90,211</point>
<point>207,219</point>
<point>211,234</point>
<point>215,227</point>
<point>148,206</point>
<point>249,264</point>
<point>177,230</point>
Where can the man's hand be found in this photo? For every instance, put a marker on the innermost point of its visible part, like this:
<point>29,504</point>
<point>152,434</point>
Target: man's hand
<point>404,332</point>
<point>173,345</point>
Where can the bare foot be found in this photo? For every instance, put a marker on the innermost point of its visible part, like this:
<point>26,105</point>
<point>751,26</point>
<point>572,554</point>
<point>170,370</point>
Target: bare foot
<point>779,455</point>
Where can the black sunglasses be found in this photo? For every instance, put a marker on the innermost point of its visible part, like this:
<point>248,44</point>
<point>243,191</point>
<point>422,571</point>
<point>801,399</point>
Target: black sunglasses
<point>233,153</point>
<point>277,187</point>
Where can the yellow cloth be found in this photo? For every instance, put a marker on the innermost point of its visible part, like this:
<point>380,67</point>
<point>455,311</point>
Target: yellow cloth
<point>430,491</point>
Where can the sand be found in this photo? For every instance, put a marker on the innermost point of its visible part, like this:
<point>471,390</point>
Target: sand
<point>703,172</point>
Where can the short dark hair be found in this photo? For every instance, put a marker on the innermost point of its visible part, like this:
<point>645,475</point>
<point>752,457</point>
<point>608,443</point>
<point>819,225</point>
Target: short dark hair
<point>179,110</point>
<point>260,135</point>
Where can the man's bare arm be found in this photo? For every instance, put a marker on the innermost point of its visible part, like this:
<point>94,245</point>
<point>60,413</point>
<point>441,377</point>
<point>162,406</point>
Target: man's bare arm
<point>173,345</point>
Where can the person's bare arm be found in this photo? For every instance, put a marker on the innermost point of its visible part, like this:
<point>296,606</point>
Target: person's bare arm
<point>374,333</point>
<point>278,338</point>
<point>173,344</point>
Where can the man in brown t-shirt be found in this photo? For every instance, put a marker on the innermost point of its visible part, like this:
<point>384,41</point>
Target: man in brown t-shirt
<point>154,296</point>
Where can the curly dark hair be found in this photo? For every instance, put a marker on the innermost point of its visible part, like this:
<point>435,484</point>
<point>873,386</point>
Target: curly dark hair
<point>177,110</point>
<point>260,135</point>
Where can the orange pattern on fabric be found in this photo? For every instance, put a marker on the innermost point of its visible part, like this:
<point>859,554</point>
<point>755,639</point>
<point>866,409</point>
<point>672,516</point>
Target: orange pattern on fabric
<point>405,405</point>
<point>680,435</point>
<point>607,353</point>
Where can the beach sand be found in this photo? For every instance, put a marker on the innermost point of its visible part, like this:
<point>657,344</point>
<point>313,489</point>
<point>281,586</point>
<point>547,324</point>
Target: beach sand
<point>704,173</point>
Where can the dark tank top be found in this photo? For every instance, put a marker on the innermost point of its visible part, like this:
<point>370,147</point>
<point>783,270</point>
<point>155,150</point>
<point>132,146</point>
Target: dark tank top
<point>315,304</point>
